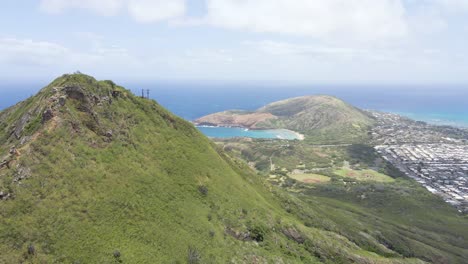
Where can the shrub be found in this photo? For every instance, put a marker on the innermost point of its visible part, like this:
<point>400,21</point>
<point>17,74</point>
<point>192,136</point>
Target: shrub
<point>193,256</point>
<point>203,190</point>
<point>31,250</point>
<point>258,232</point>
<point>244,211</point>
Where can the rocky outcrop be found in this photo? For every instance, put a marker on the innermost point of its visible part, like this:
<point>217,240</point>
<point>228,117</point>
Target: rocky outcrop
<point>4,195</point>
<point>21,174</point>
<point>294,235</point>
<point>47,115</point>
<point>76,93</point>
<point>21,124</point>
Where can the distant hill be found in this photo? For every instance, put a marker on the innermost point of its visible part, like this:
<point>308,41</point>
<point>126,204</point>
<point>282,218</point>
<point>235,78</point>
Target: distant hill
<point>323,118</point>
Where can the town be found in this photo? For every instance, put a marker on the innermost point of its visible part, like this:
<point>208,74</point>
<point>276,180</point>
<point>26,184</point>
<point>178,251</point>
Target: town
<point>435,156</point>
<point>441,168</point>
<point>395,129</point>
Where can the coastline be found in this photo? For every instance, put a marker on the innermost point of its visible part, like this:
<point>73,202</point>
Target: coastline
<point>437,119</point>
<point>300,136</point>
<point>297,135</point>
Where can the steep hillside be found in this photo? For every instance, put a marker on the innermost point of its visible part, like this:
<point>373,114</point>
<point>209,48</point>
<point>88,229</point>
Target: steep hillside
<point>93,174</point>
<point>322,118</point>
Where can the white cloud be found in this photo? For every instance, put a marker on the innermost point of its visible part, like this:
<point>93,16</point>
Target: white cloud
<point>286,48</point>
<point>368,19</point>
<point>26,51</point>
<point>144,11</point>
<point>325,53</point>
<point>23,53</point>
<point>427,20</point>
<point>453,5</point>
<point>156,10</point>
<point>101,7</point>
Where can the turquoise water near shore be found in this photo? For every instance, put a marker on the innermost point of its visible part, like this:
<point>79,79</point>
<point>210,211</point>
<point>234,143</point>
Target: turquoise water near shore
<point>232,132</point>
<point>449,119</point>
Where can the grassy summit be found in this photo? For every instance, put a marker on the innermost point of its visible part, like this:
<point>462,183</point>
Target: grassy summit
<point>93,174</point>
<point>324,119</point>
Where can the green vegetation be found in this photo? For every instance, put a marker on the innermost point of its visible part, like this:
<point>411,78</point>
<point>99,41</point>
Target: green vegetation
<point>402,215</point>
<point>364,175</point>
<point>98,175</point>
<point>366,199</point>
<point>310,178</point>
<point>322,119</point>
<point>361,197</point>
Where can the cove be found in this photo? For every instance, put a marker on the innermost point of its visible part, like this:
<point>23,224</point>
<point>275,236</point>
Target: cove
<point>233,132</point>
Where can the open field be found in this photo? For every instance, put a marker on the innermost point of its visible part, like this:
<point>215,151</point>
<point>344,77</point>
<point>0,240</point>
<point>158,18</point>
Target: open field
<point>364,175</point>
<point>310,178</point>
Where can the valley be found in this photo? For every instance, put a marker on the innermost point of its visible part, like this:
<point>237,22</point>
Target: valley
<point>441,168</point>
<point>382,179</point>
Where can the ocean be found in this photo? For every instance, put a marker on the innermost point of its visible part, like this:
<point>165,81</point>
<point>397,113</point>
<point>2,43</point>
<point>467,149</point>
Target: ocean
<point>437,104</point>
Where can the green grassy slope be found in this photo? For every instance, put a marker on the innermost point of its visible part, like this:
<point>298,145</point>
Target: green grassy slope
<point>322,118</point>
<point>403,216</point>
<point>102,176</point>
<point>360,201</point>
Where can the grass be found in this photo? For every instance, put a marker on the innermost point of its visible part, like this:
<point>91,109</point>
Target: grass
<point>401,215</point>
<point>364,175</point>
<point>156,191</point>
<point>380,210</point>
<point>310,178</point>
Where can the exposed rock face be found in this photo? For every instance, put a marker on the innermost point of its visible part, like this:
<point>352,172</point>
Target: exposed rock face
<point>75,92</point>
<point>21,174</point>
<point>5,163</point>
<point>14,151</point>
<point>109,133</point>
<point>293,234</point>
<point>242,236</point>
<point>47,115</point>
<point>21,124</point>
<point>4,195</point>
<point>62,100</point>
<point>116,94</point>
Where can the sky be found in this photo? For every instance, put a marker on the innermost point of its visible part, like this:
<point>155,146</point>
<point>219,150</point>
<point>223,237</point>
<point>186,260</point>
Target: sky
<point>312,41</point>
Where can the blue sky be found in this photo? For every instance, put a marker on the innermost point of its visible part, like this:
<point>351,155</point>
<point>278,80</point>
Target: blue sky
<point>312,41</point>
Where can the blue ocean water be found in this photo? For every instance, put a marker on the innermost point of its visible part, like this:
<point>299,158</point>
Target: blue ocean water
<point>437,104</point>
<point>442,105</point>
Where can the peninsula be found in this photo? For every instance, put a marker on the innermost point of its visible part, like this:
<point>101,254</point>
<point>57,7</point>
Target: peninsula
<point>320,117</point>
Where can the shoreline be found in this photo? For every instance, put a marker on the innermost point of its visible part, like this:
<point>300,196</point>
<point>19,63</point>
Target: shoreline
<point>298,135</point>
<point>429,118</point>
